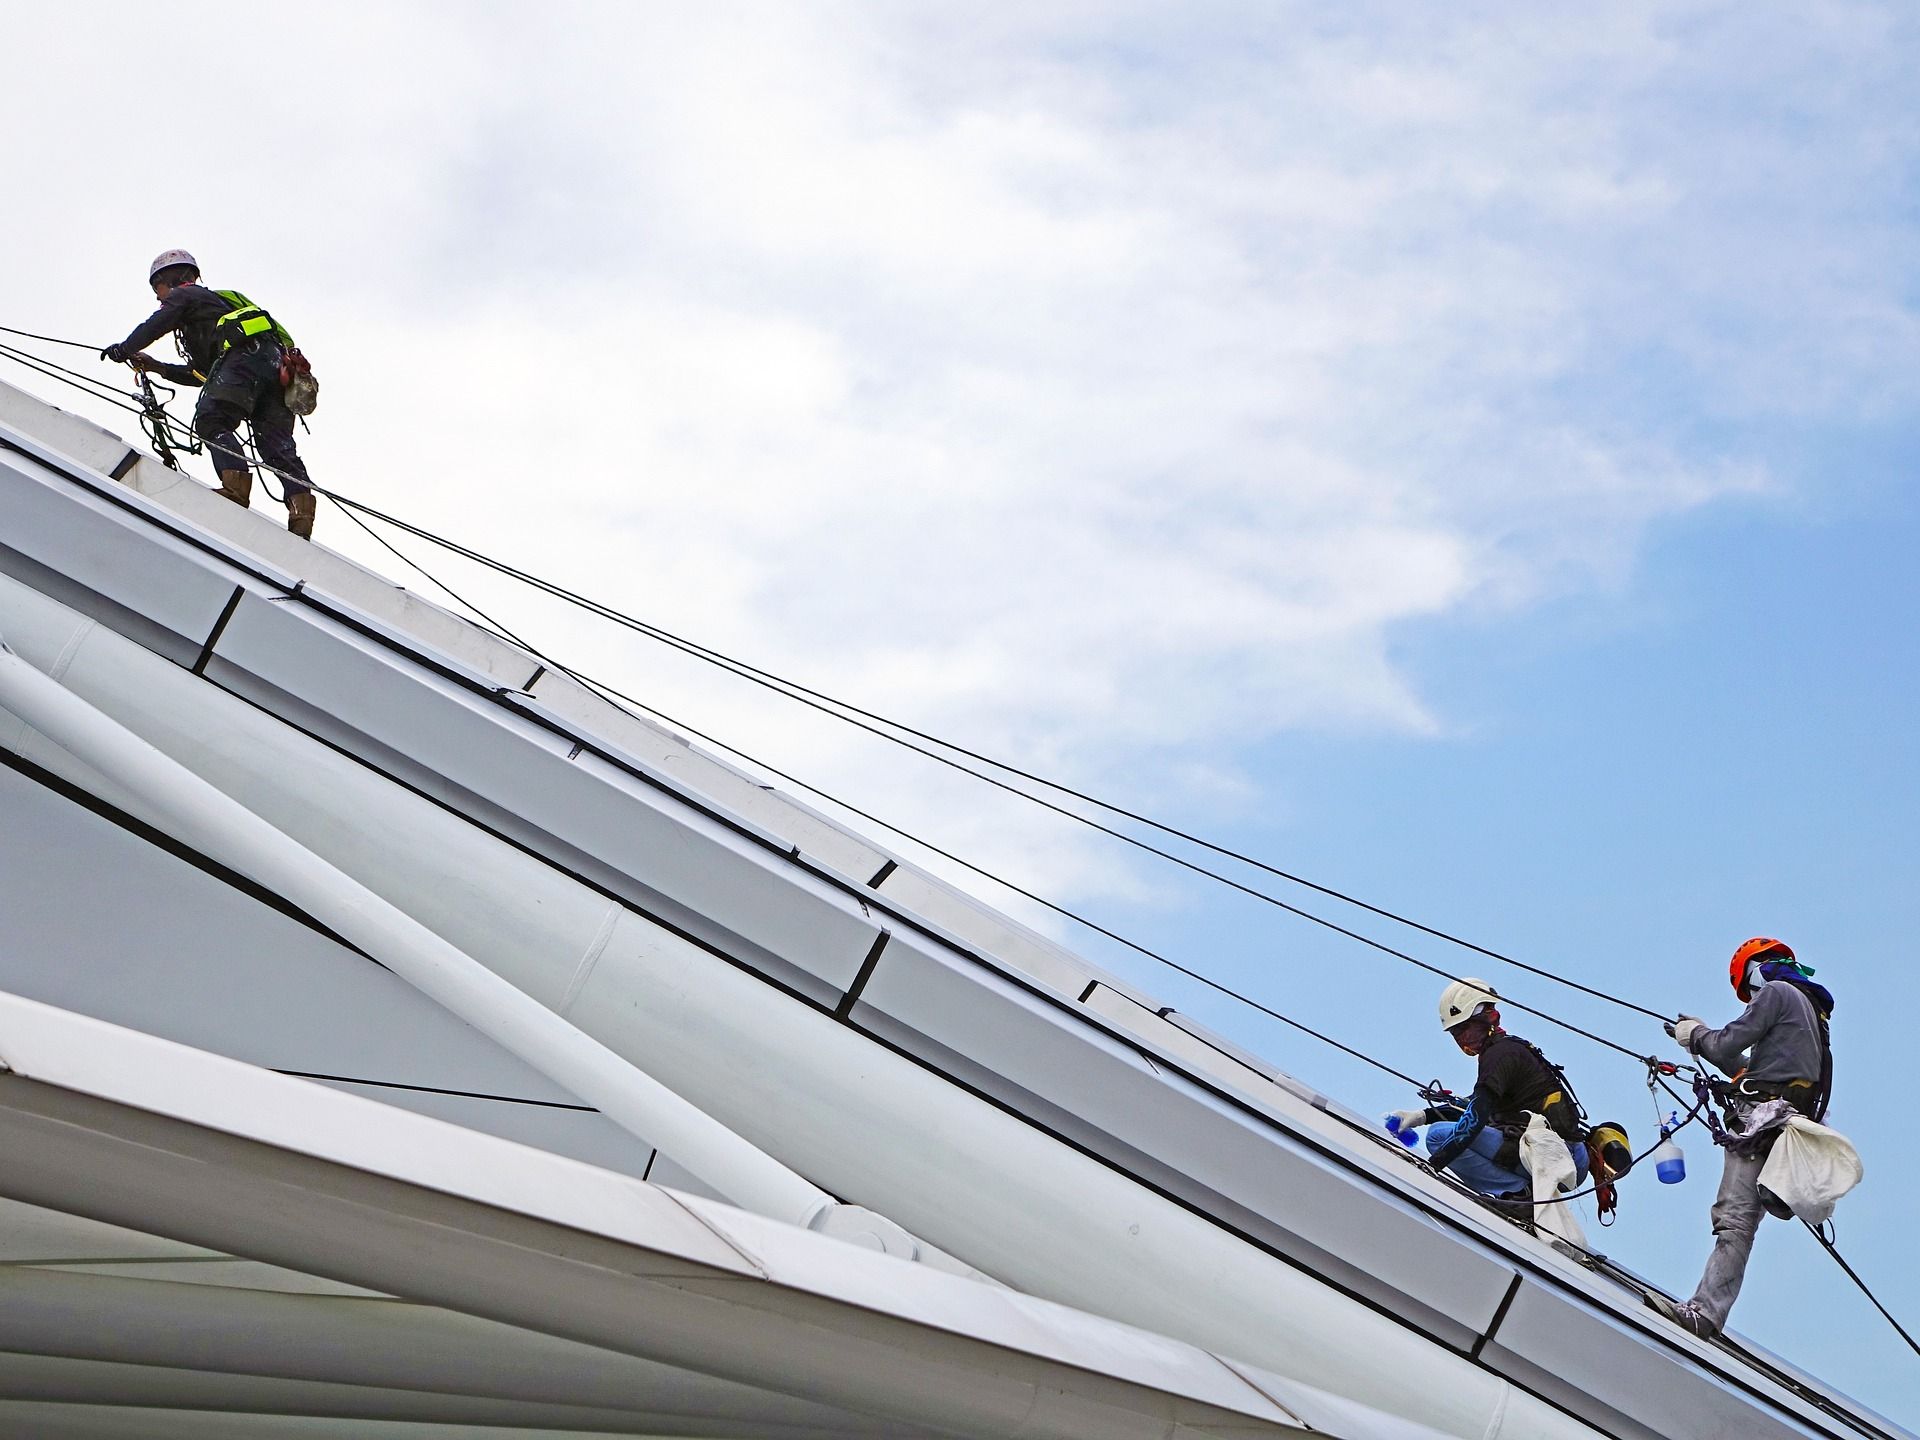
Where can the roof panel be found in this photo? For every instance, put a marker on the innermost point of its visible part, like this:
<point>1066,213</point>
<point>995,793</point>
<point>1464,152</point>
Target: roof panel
<point>949,1011</point>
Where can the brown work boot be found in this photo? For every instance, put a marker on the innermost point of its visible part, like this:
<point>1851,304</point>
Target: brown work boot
<point>300,514</point>
<point>237,486</point>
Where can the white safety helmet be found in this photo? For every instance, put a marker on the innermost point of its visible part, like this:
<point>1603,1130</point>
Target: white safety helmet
<point>1463,999</point>
<point>168,258</point>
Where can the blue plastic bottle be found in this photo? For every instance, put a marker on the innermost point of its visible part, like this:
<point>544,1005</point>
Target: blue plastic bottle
<point>1408,1137</point>
<point>1669,1162</point>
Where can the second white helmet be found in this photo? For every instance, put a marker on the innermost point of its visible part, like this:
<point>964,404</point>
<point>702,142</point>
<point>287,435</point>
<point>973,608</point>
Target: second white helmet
<point>168,258</point>
<point>1463,999</point>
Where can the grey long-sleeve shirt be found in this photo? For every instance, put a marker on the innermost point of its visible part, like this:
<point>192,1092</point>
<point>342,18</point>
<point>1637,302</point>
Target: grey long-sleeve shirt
<point>1781,1030</point>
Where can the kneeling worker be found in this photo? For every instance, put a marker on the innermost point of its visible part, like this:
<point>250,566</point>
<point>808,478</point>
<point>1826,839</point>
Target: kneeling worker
<point>233,351</point>
<point>1480,1141</point>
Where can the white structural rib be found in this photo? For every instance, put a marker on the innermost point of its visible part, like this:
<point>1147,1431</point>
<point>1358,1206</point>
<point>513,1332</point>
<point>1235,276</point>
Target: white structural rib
<point>125,1128</point>
<point>223,827</point>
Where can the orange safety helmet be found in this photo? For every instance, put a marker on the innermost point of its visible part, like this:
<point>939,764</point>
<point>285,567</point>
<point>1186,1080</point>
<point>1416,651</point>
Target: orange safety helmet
<point>1758,948</point>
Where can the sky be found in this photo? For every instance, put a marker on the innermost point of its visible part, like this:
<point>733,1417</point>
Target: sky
<point>1460,454</point>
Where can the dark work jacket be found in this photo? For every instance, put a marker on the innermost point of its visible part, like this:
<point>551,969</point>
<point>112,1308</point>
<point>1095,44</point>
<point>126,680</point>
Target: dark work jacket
<point>191,312</point>
<point>1513,1080</point>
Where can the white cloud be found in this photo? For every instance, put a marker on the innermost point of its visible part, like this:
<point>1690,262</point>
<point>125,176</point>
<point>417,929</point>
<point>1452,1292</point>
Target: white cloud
<point>1098,387</point>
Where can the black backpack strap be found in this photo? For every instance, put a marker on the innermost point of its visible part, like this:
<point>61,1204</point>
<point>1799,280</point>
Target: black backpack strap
<point>1825,1093</point>
<point>1559,1077</point>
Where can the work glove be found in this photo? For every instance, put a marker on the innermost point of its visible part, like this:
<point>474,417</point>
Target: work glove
<point>1684,1029</point>
<point>143,363</point>
<point>1406,1120</point>
<point>115,353</point>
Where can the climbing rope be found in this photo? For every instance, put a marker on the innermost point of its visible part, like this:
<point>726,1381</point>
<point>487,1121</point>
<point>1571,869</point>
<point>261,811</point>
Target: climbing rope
<point>160,427</point>
<point>96,389</point>
<point>866,721</point>
<point>805,697</point>
<point>1827,1244</point>
<point>1563,1198</point>
<point>871,723</point>
<point>616,698</point>
<point>164,432</point>
<point>154,418</point>
<point>884,728</point>
<point>49,339</point>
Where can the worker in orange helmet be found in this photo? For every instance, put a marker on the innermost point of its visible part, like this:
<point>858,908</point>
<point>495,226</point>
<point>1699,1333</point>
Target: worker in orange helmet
<point>1780,1056</point>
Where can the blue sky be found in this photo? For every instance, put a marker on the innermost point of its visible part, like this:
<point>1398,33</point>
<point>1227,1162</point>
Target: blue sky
<point>1721,751</point>
<point>1465,455</point>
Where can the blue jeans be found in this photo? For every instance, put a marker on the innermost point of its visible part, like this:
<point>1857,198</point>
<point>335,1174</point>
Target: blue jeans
<point>1475,1164</point>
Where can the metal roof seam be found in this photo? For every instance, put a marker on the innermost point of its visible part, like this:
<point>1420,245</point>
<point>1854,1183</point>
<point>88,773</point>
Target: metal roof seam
<point>119,496</point>
<point>733,1243</point>
<point>163,841</point>
<point>1649,1330</point>
<point>484,688</point>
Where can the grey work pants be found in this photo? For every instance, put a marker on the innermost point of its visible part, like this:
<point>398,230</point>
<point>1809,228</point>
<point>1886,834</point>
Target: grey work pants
<point>1737,1212</point>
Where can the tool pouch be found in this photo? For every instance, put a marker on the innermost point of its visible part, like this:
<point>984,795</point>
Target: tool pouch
<point>296,381</point>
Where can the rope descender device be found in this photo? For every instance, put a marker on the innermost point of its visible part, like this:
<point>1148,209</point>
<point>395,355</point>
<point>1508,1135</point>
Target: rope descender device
<point>1434,1093</point>
<point>154,420</point>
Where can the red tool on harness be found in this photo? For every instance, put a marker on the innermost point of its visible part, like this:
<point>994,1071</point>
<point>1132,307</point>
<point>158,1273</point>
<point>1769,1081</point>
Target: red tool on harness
<point>296,380</point>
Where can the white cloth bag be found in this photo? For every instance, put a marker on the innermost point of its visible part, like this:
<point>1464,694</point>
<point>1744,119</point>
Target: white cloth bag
<point>1549,1164</point>
<point>1810,1168</point>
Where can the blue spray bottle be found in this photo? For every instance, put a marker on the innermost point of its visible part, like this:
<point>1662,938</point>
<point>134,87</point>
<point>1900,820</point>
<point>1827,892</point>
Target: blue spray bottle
<point>1669,1162</point>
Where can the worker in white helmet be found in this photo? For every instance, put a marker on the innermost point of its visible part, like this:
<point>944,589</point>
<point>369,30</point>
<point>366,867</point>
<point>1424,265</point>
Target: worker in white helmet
<point>237,355</point>
<point>1480,1140</point>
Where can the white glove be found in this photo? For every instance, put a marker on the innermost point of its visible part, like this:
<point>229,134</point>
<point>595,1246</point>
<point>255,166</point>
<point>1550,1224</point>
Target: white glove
<point>1684,1029</point>
<point>1407,1120</point>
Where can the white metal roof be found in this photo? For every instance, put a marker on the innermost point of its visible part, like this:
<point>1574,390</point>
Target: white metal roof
<point>950,1038</point>
<point>746,1325</point>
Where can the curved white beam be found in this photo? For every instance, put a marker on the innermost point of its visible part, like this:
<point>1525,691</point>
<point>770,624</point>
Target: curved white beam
<point>222,827</point>
<point>132,1130</point>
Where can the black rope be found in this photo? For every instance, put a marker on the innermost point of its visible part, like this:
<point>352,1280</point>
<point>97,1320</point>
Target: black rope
<point>774,684</point>
<point>795,688</point>
<point>162,422</point>
<point>437,1090</point>
<point>799,694</point>
<point>154,421</point>
<point>817,700</point>
<point>78,376</point>
<point>1841,1261</point>
<point>495,626</point>
<point>615,697</point>
<point>607,692</point>
<point>1692,1115</point>
<point>96,389</point>
<point>830,705</point>
<point>158,426</point>
<point>50,339</point>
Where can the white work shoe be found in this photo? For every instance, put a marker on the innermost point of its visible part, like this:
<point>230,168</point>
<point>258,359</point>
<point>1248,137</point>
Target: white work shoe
<point>1685,1315</point>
